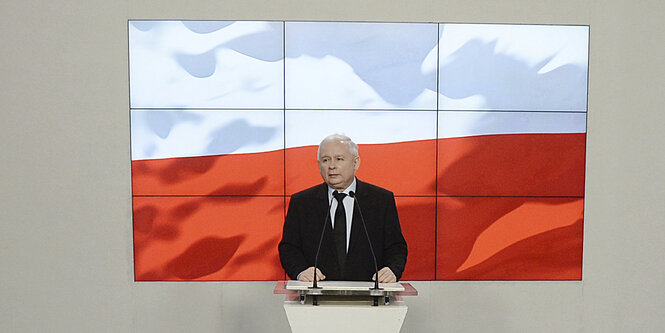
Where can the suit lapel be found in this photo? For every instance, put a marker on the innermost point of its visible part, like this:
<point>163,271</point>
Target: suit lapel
<point>328,245</point>
<point>322,206</point>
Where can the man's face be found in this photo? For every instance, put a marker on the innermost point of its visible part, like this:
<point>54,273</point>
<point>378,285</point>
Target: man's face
<point>337,166</point>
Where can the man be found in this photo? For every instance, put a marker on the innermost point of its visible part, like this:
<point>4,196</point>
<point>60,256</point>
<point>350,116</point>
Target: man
<point>345,253</point>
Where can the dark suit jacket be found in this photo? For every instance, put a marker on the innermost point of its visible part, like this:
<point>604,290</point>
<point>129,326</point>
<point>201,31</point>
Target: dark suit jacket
<point>304,223</point>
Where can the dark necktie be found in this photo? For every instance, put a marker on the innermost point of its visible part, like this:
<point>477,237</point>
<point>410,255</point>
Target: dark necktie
<point>340,229</point>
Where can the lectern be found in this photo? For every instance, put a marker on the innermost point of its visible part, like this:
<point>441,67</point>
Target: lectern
<point>344,306</point>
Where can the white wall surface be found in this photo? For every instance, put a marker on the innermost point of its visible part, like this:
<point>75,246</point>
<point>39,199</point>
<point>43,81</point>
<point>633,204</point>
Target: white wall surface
<point>65,196</point>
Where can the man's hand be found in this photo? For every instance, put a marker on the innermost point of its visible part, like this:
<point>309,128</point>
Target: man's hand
<point>308,275</point>
<point>386,275</point>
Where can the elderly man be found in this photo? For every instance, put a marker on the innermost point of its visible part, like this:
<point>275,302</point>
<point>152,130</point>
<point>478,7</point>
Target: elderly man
<point>345,253</point>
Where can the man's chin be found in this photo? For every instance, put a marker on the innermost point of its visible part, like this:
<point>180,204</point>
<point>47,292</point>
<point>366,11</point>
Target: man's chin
<point>334,185</point>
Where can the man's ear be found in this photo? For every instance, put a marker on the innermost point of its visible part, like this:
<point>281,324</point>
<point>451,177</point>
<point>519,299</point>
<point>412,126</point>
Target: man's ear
<point>356,163</point>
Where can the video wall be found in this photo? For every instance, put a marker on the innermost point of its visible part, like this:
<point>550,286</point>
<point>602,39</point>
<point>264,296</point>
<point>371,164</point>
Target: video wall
<point>478,129</point>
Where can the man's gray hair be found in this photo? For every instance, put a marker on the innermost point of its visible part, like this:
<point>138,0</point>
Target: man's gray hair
<point>353,147</point>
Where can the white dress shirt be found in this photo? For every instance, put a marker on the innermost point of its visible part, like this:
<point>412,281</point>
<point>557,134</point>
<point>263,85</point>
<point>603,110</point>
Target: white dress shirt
<point>348,207</point>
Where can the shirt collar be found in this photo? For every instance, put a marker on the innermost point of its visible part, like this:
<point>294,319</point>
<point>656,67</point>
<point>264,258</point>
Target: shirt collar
<point>351,187</point>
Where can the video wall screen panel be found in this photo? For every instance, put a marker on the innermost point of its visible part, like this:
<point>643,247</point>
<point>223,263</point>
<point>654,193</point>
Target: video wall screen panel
<point>356,65</point>
<point>502,153</point>
<point>383,138</point>
<point>207,238</point>
<point>478,129</point>
<point>207,152</point>
<point>206,64</point>
<point>513,67</point>
<point>526,238</point>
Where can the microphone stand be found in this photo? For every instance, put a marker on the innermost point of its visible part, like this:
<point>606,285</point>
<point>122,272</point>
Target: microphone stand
<point>315,300</point>
<point>371,248</point>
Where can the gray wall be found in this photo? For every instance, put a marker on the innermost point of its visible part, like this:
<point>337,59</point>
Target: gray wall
<point>65,196</point>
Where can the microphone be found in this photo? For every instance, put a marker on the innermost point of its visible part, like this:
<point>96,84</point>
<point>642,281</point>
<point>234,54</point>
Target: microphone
<point>316,258</point>
<point>371,248</point>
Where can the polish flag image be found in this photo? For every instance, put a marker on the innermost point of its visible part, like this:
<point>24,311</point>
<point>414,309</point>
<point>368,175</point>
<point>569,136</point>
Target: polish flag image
<point>479,130</point>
